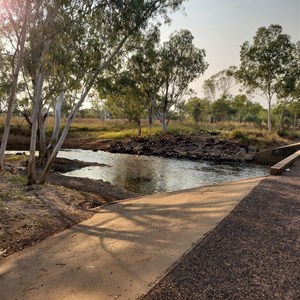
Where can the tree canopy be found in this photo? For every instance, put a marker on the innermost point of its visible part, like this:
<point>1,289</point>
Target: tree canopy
<point>266,63</point>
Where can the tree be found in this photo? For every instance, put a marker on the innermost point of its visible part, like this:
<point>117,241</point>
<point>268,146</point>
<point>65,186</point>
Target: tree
<point>163,73</point>
<point>144,66</point>
<point>209,89</point>
<point>110,26</point>
<point>221,109</point>
<point>265,63</point>
<point>180,63</point>
<point>198,109</point>
<point>70,45</point>
<point>99,108</point>
<point>124,99</point>
<point>14,17</point>
<point>246,111</point>
<point>219,84</point>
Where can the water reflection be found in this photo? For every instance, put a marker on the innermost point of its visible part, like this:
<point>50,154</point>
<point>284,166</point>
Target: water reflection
<point>136,176</point>
<point>150,175</point>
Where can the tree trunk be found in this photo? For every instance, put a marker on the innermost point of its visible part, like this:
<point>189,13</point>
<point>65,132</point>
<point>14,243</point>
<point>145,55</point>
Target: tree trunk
<point>164,123</point>
<point>55,133</point>
<point>42,134</point>
<point>76,108</point>
<point>15,78</point>
<point>269,115</point>
<point>31,172</point>
<point>150,117</point>
<point>138,123</point>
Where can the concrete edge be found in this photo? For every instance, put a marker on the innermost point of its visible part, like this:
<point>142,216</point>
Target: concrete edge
<point>185,190</point>
<point>278,168</point>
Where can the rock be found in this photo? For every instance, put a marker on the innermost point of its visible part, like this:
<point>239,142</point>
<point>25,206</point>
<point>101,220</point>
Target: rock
<point>249,157</point>
<point>138,149</point>
<point>182,154</point>
<point>30,188</point>
<point>127,149</point>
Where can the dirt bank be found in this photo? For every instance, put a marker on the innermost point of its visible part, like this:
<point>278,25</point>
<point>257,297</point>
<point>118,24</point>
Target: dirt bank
<point>29,214</point>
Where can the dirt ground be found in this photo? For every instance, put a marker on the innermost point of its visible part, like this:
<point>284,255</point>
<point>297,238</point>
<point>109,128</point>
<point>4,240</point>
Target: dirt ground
<point>29,214</point>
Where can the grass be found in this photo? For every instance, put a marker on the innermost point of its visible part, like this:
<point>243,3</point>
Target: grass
<point>13,194</point>
<point>119,129</point>
<point>19,179</point>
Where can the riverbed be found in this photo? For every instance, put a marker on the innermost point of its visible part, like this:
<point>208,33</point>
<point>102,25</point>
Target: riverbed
<point>147,175</point>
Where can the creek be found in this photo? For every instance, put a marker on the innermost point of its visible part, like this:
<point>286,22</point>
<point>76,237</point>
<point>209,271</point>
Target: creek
<point>147,175</point>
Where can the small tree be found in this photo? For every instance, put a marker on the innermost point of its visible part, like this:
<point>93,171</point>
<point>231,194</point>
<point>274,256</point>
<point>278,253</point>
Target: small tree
<point>198,109</point>
<point>221,109</point>
<point>124,99</point>
<point>266,62</point>
<point>181,63</point>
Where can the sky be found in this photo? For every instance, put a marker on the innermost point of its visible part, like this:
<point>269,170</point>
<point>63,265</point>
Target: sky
<point>221,26</point>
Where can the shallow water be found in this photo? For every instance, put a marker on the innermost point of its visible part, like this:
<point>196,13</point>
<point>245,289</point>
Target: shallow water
<point>151,174</point>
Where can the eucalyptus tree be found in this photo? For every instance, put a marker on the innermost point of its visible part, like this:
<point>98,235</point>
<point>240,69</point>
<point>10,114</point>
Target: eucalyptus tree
<point>198,109</point>
<point>101,30</point>
<point>181,63</point>
<point>220,84</point>
<point>225,81</point>
<point>14,19</point>
<point>265,63</point>
<point>69,45</point>
<point>165,71</point>
<point>125,99</point>
<point>209,89</point>
<point>143,65</point>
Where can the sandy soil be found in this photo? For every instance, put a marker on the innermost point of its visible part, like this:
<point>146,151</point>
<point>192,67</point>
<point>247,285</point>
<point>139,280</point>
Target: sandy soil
<point>29,214</point>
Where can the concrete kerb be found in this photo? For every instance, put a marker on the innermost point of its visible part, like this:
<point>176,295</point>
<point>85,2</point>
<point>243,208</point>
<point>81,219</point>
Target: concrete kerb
<point>278,168</point>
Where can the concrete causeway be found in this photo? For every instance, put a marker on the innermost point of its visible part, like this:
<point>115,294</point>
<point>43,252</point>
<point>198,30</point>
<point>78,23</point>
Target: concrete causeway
<point>121,251</point>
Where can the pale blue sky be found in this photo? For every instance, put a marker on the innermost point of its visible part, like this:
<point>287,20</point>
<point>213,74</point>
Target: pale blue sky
<point>221,26</point>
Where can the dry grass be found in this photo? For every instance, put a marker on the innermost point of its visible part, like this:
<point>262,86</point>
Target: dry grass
<point>119,129</point>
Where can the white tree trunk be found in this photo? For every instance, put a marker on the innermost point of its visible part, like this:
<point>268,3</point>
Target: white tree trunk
<point>76,108</point>
<point>15,78</point>
<point>164,123</point>
<point>55,133</point>
<point>42,133</point>
<point>31,172</point>
<point>269,115</point>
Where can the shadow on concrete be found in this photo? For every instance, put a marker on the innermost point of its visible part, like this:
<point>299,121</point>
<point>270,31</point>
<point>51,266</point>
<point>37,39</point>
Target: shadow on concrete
<point>84,259</point>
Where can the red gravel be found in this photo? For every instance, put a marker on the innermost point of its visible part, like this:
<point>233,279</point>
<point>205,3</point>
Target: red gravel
<point>254,253</point>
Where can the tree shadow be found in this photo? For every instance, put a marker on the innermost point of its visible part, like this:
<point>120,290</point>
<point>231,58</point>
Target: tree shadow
<point>117,238</point>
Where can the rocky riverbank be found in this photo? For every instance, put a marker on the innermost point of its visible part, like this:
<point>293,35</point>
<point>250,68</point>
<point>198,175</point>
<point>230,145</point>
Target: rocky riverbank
<point>191,147</point>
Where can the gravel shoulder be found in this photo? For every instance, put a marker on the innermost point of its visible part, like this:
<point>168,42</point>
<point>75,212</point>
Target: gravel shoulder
<point>254,253</point>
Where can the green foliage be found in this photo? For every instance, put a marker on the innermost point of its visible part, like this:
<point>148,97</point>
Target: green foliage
<point>267,62</point>
<point>198,109</point>
<point>164,73</point>
<point>240,135</point>
<point>246,111</point>
<point>221,109</point>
